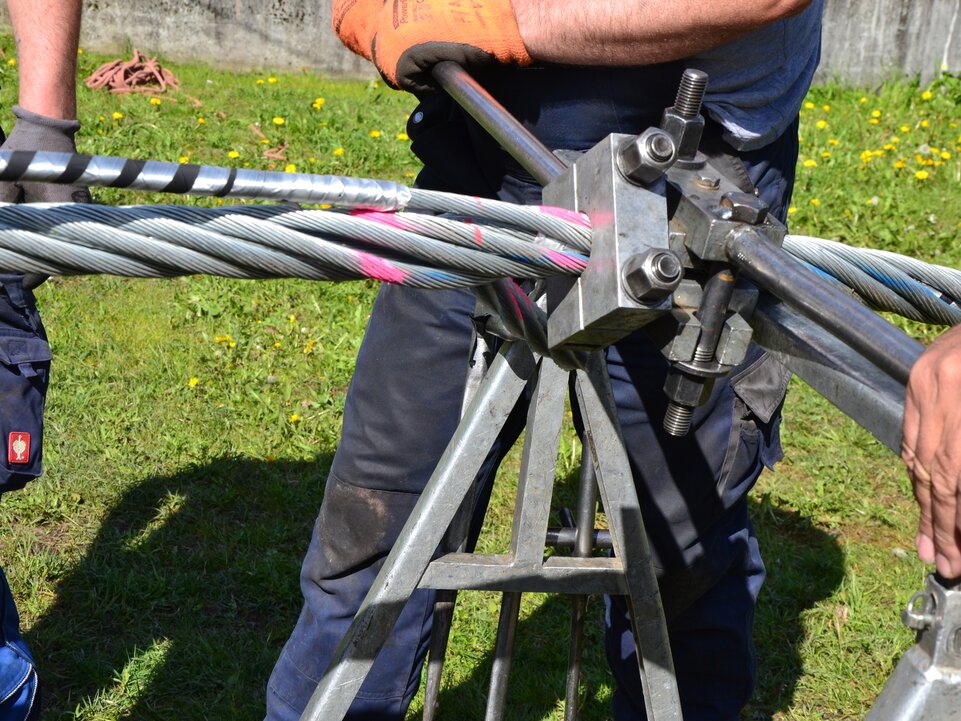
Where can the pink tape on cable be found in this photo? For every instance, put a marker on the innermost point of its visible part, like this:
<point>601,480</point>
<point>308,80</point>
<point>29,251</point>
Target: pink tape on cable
<point>571,216</point>
<point>380,269</point>
<point>379,216</point>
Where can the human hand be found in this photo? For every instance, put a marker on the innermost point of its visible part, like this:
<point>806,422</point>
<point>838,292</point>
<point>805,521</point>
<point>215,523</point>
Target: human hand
<point>40,133</point>
<point>407,38</point>
<point>931,448</point>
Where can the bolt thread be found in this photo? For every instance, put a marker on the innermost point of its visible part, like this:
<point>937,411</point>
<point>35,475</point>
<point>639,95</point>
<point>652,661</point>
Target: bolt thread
<point>677,419</point>
<point>703,355</point>
<point>690,93</point>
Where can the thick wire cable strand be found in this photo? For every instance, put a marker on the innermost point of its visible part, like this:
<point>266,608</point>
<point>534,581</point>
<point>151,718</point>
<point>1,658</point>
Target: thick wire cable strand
<point>928,290</point>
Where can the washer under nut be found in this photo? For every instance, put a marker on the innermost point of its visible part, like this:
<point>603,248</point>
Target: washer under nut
<point>652,275</point>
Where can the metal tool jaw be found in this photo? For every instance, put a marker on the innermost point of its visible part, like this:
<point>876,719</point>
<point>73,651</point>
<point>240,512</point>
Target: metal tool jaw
<point>662,216</point>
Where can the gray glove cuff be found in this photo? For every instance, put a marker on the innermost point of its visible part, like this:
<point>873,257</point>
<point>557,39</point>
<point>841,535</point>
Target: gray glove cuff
<point>33,131</point>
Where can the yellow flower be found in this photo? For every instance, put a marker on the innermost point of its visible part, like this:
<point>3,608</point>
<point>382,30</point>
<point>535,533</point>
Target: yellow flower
<point>899,164</point>
<point>809,105</point>
<point>792,210</point>
<point>826,108</point>
<point>815,202</point>
<point>895,139</point>
<point>260,81</point>
<point>863,99</point>
<point>825,154</point>
<point>402,136</point>
<point>222,339</point>
<point>809,163</point>
<point>309,348</point>
<point>875,113</point>
<point>277,344</point>
<point>821,124</point>
<point>278,120</point>
<point>889,146</point>
<point>193,382</point>
<point>232,344</point>
<point>927,95</point>
<point>233,154</point>
<point>116,116</point>
<point>833,141</point>
<point>294,418</point>
<point>873,121</point>
<point>183,159</point>
<point>155,101</point>
<point>945,155</point>
<point>925,123</point>
<point>290,168</point>
<point>79,51</point>
<point>338,151</point>
<point>921,174</point>
<point>272,80</point>
<point>11,62</point>
<point>201,121</point>
<point>905,128</point>
<point>318,102</point>
<point>375,133</point>
<point>866,156</point>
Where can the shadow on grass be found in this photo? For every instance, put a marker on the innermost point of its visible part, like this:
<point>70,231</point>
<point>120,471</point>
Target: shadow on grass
<point>190,589</point>
<point>805,565</point>
<point>185,596</point>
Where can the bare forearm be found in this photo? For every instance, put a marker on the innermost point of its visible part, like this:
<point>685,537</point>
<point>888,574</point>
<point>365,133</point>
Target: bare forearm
<point>639,32</point>
<point>46,33</point>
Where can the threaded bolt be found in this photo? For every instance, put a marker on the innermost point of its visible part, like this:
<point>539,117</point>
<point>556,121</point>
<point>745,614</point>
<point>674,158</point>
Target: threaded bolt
<point>690,93</point>
<point>703,355</point>
<point>661,147</point>
<point>677,419</point>
<point>666,267</point>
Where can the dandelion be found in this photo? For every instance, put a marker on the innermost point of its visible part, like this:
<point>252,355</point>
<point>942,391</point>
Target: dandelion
<point>155,101</point>
<point>826,108</point>
<point>102,118</point>
<point>309,348</point>
<point>183,159</point>
<point>294,418</point>
<point>900,164</point>
<point>825,154</point>
<point>11,62</point>
<point>925,124</point>
<point>809,105</point>
<point>292,319</point>
<point>233,154</point>
<point>402,136</point>
<point>375,134</point>
<point>833,141</point>
<point>927,95</point>
<point>260,81</point>
<point>863,99</point>
<point>338,151</point>
<point>290,168</point>
<point>905,128</point>
<point>222,339</point>
<point>889,146</point>
<point>232,344</point>
<point>873,121</point>
<point>945,155</point>
<point>192,383</point>
<point>921,174</point>
<point>810,163</point>
<point>875,113</point>
<point>278,120</point>
<point>201,120</point>
<point>821,124</point>
<point>116,115</point>
<point>792,210</point>
<point>79,51</point>
<point>866,156</point>
<point>815,202</point>
<point>272,80</point>
<point>278,344</point>
<point>318,103</point>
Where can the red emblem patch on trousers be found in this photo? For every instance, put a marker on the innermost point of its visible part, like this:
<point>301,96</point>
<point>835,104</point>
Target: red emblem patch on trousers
<point>18,447</point>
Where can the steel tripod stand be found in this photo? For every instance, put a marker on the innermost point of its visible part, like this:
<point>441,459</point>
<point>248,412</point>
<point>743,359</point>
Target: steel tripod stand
<point>409,565</point>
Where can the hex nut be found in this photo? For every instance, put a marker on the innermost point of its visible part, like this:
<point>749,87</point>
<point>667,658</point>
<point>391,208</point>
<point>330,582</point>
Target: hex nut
<point>745,208</point>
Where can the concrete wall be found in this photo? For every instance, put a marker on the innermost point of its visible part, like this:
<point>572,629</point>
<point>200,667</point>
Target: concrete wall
<point>865,41</point>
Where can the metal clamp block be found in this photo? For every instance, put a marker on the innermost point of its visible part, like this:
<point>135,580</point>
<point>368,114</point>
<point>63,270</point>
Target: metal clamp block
<point>599,307</point>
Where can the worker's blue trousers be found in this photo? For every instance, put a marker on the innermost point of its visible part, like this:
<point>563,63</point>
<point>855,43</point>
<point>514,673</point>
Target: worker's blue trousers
<point>401,409</point>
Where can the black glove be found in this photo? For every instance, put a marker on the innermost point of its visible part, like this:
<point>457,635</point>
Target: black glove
<point>53,135</point>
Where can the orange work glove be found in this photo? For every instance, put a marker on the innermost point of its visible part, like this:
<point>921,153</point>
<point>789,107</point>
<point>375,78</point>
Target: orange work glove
<point>414,35</point>
<point>355,21</point>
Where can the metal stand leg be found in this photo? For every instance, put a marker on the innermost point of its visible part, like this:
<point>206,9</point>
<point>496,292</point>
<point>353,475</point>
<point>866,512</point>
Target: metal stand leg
<point>926,683</point>
<point>524,568</point>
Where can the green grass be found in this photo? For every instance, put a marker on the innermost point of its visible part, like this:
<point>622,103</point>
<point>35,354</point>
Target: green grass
<point>191,423</point>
